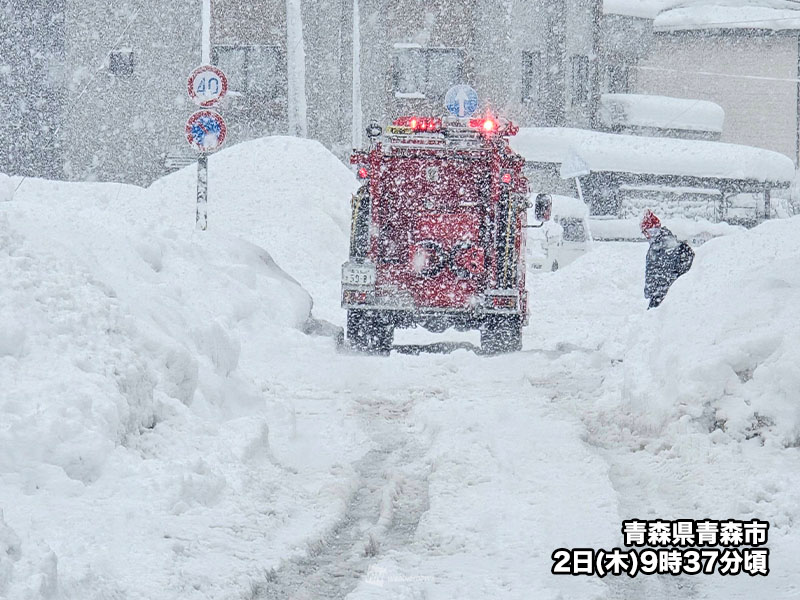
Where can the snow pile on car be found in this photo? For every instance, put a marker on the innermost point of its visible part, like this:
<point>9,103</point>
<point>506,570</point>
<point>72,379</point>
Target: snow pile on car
<point>140,429</point>
<point>722,350</point>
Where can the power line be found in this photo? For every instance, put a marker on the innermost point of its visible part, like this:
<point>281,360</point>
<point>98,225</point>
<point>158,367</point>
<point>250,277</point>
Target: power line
<point>713,74</point>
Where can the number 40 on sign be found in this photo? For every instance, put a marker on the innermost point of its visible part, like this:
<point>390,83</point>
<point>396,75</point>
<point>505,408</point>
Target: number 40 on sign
<point>207,85</point>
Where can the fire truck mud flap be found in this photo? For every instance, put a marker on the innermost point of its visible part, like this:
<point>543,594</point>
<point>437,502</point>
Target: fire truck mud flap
<point>321,327</point>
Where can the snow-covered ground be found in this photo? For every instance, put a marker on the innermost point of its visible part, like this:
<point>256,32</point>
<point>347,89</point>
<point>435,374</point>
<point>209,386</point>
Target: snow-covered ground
<point>167,430</point>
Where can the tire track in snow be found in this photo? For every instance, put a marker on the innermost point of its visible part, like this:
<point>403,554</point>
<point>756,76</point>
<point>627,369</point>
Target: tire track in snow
<point>632,498</point>
<point>383,514</point>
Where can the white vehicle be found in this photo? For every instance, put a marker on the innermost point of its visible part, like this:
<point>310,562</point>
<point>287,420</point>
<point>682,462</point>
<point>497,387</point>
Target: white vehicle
<point>561,240</point>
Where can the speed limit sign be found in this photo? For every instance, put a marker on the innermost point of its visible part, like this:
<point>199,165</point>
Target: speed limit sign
<point>207,85</point>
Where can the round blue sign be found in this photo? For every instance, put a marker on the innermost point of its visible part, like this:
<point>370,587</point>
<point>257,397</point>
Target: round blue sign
<point>461,100</point>
<point>206,130</point>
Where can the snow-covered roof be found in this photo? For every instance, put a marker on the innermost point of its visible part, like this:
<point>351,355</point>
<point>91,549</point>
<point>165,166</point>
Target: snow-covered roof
<point>646,9</point>
<point>653,156</point>
<point>661,112</point>
<point>681,15</point>
<point>774,15</point>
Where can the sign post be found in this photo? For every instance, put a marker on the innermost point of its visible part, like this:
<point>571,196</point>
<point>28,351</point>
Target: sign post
<point>205,129</point>
<point>201,218</point>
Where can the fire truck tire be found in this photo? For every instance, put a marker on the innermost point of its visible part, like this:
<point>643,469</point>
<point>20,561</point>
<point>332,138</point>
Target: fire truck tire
<point>501,334</point>
<point>370,331</point>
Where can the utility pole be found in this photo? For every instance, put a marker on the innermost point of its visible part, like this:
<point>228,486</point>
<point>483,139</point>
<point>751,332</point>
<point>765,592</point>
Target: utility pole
<point>357,110</point>
<point>206,33</point>
<point>594,95</point>
<point>797,115</point>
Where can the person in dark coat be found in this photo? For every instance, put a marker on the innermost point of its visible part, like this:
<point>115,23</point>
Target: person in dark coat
<point>667,259</point>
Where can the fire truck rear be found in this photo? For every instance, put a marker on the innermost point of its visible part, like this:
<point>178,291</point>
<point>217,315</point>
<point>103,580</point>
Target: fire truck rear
<point>437,234</point>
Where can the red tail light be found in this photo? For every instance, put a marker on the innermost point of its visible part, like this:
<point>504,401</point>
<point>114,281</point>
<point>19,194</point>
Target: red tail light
<point>504,301</point>
<point>355,297</point>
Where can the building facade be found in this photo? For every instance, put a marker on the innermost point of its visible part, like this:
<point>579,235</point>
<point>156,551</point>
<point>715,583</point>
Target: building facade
<point>529,61</point>
<point>115,84</point>
<point>126,66</point>
<point>32,37</point>
<point>742,56</point>
<point>751,74</point>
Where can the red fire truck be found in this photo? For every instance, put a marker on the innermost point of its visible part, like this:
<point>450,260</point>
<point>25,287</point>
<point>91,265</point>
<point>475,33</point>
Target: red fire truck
<point>437,233</point>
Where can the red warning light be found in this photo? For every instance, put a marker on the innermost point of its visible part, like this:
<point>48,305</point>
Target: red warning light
<point>418,124</point>
<point>363,173</point>
<point>488,125</point>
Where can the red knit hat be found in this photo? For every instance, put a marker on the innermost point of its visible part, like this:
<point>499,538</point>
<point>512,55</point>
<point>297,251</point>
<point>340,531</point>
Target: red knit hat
<point>650,221</point>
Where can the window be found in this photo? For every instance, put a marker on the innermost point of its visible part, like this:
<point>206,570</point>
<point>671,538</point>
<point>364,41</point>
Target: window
<point>426,72</point>
<point>617,78</point>
<point>120,63</point>
<point>580,80</point>
<point>531,76</point>
<point>252,70</point>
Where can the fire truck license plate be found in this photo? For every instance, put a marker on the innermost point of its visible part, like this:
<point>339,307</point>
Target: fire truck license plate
<point>358,274</point>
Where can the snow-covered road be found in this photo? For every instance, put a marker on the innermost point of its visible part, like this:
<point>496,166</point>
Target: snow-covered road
<point>168,431</point>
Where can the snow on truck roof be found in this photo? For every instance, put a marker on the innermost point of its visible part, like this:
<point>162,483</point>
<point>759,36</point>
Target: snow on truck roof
<point>641,110</point>
<point>652,156</point>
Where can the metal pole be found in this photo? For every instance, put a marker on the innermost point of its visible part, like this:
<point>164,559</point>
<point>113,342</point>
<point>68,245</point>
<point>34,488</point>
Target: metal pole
<point>201,219</point>
<point>206,34</point>
<point>580,189</point>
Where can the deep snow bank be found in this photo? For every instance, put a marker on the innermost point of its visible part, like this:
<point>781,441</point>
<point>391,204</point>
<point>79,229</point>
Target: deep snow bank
<point>290,196</point>
<point>722,350</point>
<point>145,450</point>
